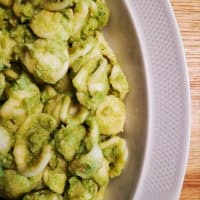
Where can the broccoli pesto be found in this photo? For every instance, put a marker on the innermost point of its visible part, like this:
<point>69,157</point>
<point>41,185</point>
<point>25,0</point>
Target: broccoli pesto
<point>61,101</point>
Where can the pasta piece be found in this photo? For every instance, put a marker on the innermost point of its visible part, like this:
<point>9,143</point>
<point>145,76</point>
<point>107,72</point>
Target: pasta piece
<point>90,102</point>
<point>64,110</point>
<point>78,190</point>
<point>99,15</point>
<point>6,49</point>
<point>106,51</point>
<point>87,165</point>
<point>55,174</point>
<point>23,10</point>
<point>68,140</point>
<point>23,100</point>
<point>80,81</point>
<point>83,52</point>
<point>13,185</point>
<point>119,82</point>
<point>92,138</point>
<point>55,180</point>
<point>50,25</point>
<point>98,81</point>
<point>53,107</point>
<point>33,155</point>
<point>110,116</point>
<point>47,60</point>
<point>116,152</point>
<point>81,12</point>
<point>102,175</point>
<point>73,114</point>
<point>5,141</point>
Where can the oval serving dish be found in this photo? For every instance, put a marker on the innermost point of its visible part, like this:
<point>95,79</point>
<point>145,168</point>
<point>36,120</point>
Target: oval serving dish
<point>145,37</point>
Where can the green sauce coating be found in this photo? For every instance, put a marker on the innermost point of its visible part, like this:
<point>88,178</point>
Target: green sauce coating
<point>61,101</point>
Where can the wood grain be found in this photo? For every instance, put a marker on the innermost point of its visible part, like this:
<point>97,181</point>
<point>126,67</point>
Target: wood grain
<point>188,16</point>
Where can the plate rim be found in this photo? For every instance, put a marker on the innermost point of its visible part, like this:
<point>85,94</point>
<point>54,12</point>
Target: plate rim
<point>140,193</point>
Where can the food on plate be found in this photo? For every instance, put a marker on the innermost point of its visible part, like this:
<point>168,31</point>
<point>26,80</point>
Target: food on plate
<point>61,101</point>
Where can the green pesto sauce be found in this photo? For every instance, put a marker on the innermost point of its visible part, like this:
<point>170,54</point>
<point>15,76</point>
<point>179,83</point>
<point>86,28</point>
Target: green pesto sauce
<point>61,101</point>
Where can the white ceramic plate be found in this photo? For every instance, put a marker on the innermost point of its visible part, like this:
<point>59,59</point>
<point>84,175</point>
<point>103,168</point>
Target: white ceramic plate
<point>145,37</point>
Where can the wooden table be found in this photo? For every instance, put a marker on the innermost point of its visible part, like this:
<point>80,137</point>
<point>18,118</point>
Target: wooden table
<point>188,16</point>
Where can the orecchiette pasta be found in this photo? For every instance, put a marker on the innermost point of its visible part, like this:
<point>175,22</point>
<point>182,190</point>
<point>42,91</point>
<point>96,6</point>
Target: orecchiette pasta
<point>13,185</point>
<point>116,152</point>
<point>47,60</point>
<point>110,115</point>
<point>33,155</point>
<point>68,140</point>
<point>6,48</point>
<point>87,165</point>
<point>50,25</point>
<point>23,100</point>
<point>81,189</point>
<point>61,101</point>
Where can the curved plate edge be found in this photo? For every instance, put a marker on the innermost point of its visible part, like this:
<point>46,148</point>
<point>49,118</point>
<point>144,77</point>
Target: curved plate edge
<point>158,189</point>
